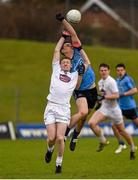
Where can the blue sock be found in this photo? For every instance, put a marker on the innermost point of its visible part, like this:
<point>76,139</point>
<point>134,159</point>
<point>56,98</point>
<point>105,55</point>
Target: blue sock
<point>121,142</point>
<point>67,131</point>
<point>75,134</point>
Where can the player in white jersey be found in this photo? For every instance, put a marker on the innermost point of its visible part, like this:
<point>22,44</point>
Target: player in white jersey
<point>109,109</point>
<point>57,112</point>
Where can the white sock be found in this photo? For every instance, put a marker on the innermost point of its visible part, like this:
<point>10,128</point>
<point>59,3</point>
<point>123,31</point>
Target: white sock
<point>51,148</point>
<point>102,138</point>
<point>59,160</point>
<point>132,147</point>
<point>65,138</point>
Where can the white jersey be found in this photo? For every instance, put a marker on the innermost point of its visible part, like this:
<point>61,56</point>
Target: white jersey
<point>62,85</point>
<point>109,85</point>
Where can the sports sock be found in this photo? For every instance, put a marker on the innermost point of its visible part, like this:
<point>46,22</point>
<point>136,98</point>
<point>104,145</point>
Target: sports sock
<point>121,142</point>
<point>102,138</point>
<point>59,160</point>
<point>67,131</point>
<point>51,148</point>
<point>132,147</point>
<point>75,134</point>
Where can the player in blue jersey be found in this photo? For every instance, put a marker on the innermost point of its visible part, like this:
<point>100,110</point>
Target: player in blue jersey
<point>127,89</point>
<point>86,94</point>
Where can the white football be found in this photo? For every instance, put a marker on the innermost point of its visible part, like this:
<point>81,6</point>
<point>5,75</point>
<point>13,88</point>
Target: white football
<point>73,16</point>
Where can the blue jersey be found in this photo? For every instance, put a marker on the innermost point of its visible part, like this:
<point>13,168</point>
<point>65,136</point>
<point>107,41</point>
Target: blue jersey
<point>89,76</point>
<point>125,84</point>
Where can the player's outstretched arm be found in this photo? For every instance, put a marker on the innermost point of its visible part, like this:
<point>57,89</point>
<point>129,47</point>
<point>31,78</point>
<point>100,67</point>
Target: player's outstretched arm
<point>68,27</point>
<point>56,55</point>
<point>78,82</point>
<point>81,71</point>
<point>71,30</point>
<point>85,57</point>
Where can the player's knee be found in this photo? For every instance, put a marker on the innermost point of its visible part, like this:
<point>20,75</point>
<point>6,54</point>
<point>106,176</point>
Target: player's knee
<point>113,127</point>
<point>122,131</point>
<point>91,123</point>
<point>136,122</point>
<point>83,113</point>
<point>60,139</point>
<point>51,139</point>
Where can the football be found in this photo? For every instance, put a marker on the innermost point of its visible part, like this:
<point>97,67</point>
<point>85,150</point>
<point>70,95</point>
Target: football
<point>73,16</point>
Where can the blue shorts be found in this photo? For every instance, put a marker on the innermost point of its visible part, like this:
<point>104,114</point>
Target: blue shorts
<point>130,113</point>
<point>89,94</point>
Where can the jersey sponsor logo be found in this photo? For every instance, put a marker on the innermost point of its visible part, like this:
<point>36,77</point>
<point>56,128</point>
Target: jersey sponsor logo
<point>64,78</point>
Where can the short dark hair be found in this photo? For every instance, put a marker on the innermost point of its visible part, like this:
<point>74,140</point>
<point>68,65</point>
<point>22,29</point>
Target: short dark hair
<point>64,57</point>
<point>120,65</point>
<point>68,44</point>
<point>68,39</point>
<point>104,65</point>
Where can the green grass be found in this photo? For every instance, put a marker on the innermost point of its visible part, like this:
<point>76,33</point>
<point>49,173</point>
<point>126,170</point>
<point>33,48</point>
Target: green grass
<point>25,159</point>
<point>25,68</point>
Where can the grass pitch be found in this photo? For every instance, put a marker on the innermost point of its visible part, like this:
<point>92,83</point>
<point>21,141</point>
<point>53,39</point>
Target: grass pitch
<point>25,71</point>
<point>25,159</point>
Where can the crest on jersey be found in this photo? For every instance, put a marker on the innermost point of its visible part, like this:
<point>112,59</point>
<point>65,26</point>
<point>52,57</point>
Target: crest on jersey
<point>64,78</point>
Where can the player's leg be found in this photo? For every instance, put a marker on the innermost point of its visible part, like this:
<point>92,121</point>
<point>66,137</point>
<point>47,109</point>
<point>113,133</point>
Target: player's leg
<point>84,107</point>
<point>78,118</point>
<point>96,118</point>
<point>128,138</point>
<point>51,137</point>
<point>49,121</point>
<point>61,128</point>
<point>76,133</point>
<point>135,121</point>
<point>85,100</point>
<point>117,118</point>
<point>78,128</point>
<point>121,142</point>
<point>82,111</point>
<point>91,97</point>
<point>131,114</point>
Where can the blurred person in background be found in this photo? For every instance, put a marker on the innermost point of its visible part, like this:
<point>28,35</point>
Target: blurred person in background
<point>127,103</point>
<point>109,110</point>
